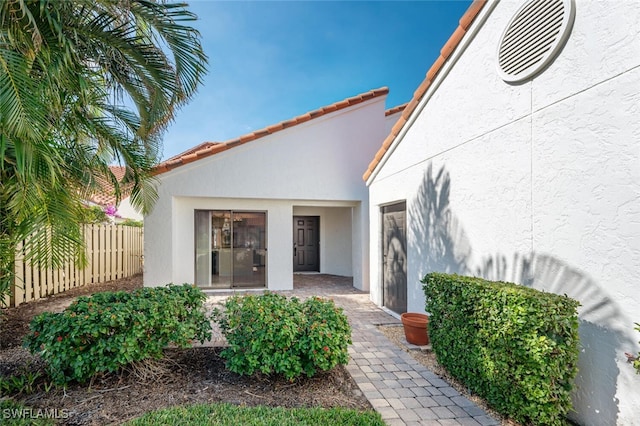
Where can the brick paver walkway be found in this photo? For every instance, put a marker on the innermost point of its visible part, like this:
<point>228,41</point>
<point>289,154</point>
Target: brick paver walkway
<point>401,389</point>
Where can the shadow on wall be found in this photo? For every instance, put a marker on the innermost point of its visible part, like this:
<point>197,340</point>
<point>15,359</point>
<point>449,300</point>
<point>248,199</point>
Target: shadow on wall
<point>442,245</point>
<point>394,291</point>
<point>601,339</point>
<point>438,238</point>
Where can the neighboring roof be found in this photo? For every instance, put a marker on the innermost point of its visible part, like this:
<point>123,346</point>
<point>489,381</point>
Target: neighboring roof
<point>196,148</point>
<point>207,149</point>
<point>395,110</point>
<point>445,52</point>
<point>106,196</point>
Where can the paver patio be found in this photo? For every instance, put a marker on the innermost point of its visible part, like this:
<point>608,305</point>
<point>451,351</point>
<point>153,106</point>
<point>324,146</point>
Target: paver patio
<point>401,389</point>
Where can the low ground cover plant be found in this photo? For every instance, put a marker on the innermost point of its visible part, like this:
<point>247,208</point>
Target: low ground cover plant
<point>275,335</point>
<point>106,331</point>
<point>26,380</point>
<point>512,345</point>
<point>18,414</point>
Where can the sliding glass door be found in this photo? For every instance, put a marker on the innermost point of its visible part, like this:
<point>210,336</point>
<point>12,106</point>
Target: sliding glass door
<point>230,249</point>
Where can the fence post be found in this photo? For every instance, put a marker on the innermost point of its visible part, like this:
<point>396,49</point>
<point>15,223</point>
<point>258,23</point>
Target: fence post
<point>17,294</point>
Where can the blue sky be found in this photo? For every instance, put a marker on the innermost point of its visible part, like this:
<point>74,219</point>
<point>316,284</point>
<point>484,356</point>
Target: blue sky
<point>271,61</point>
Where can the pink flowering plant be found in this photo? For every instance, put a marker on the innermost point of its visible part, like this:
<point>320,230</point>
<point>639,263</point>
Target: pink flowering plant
<point>111,210</point>
<point>636,361</point>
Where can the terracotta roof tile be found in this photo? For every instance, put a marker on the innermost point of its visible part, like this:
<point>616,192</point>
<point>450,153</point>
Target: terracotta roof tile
<point>289,123</point>
<point>263,132</point>
<point>207,149</point>
<point>453,42</point>
<point>399,124</point>
<point>216,149</point>
<point>470,14</point>
<point>248,138</point>
<point>106,195</point>
<point>394,110</point>
<point>200,147</point>
<point>303,118</point>
<point>411,106</point>
<point>433,71</point>
<point>189,158</point>
<point>274,128</point>
<point>388,140</point>
<point>445,52</point>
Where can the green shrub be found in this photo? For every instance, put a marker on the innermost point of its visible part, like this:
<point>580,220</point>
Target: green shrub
<point>514,346</point>
<point>108,330</point>
<point>272,334</point>
<point>132,222</point>
<point>93,214</point>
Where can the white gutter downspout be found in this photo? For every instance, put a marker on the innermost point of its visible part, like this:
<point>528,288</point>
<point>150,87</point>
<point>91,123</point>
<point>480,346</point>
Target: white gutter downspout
<point>450,62</point>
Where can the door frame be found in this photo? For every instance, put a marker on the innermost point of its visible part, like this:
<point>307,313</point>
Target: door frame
<point>400,205</point>
<point>317,242</point>
<point>233,284</point>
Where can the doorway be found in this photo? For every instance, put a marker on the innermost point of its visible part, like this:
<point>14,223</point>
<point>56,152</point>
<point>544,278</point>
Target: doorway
<point>230,249</point>
<point>306,244</point>
<point>394,257</point>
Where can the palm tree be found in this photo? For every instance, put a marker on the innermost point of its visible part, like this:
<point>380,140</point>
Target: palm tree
<point>83,84</point>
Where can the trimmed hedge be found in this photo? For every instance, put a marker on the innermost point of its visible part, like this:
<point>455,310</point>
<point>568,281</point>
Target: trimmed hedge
<point>515,346</point>
<point>108,330</point>
<point>275,335</point>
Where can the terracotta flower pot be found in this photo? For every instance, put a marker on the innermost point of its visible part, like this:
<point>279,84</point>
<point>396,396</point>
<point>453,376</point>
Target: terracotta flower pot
<point>415,328</point>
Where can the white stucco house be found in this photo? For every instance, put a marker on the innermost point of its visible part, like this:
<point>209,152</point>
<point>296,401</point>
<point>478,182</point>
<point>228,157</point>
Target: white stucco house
<point>249,212</point>
<point>518,159</point>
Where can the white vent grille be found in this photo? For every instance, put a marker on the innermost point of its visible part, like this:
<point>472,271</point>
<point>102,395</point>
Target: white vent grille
<point>533,37</point>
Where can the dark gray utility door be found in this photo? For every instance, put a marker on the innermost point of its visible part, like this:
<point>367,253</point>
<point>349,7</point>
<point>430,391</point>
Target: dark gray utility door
<point>306,241</point>
<point>394,257</point>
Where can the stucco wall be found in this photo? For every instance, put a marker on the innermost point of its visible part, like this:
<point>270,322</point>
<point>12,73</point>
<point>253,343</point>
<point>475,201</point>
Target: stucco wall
<point>335,237</point>
<point>313,168</point>
<point>537,183</point>
<point>127,211</point>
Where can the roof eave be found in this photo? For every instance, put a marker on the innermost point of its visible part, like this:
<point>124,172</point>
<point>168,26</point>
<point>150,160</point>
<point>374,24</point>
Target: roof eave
<point>468,26</point>
<point>192,155</point>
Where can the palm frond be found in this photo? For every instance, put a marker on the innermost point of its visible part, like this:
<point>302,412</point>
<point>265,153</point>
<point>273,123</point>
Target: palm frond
<point>68,71</point>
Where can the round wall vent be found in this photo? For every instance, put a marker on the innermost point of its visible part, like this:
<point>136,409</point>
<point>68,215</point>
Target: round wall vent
<point>533,38</point>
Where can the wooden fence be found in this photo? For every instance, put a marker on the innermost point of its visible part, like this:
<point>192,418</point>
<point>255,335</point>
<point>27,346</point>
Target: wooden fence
<point>113,252</point>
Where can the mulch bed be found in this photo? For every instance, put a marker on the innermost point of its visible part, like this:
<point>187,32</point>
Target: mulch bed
<point>195,375</point>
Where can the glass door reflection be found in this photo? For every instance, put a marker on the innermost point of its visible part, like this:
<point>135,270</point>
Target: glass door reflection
<point>248,249</point>
<point>237,254</point>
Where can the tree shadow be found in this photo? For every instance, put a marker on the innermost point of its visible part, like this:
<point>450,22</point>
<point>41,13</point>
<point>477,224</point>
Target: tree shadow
<point>440,243</point>
<point>394,252</point>
<point>438,239</point>
<point>601,338</point>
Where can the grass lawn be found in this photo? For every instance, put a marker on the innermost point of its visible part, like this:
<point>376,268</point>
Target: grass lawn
<point>216,414</point>
<point>232,415</point>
